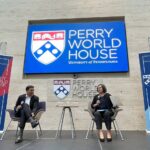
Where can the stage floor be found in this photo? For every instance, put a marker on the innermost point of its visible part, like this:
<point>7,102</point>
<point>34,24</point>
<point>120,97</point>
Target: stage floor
<point>134,140</point>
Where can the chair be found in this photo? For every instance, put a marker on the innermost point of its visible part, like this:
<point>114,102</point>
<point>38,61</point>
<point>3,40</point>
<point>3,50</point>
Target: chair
<point>90,110</point>
<point>40,111</point>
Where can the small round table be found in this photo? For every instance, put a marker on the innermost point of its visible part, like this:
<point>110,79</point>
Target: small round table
<point>65,106</point>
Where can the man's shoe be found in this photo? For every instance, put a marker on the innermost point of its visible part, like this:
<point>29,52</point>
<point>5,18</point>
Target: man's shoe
<point>19,139</point>
<point>34,123</point>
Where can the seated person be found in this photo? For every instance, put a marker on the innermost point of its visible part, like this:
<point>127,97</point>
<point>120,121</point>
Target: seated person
<point>25,108</point>
<point>103,111</point>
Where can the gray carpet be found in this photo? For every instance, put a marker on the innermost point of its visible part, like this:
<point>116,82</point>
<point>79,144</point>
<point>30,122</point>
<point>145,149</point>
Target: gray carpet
<point>134,140</point>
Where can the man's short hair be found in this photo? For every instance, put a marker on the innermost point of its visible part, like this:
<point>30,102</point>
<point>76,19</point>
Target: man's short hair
<point>28,87</point>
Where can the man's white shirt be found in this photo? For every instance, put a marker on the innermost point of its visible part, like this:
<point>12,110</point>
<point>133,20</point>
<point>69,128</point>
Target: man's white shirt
<point>27,100</point>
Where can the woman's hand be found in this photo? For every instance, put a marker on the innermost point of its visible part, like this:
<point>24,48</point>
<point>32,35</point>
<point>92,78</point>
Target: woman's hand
<point>97,103</point>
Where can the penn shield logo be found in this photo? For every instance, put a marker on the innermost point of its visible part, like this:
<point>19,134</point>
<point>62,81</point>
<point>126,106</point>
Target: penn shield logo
<point>146,79</point>
<point>61,88</point>
<point>47,46</point>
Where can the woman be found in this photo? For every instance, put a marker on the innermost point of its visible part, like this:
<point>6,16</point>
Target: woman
<point>103,111</point>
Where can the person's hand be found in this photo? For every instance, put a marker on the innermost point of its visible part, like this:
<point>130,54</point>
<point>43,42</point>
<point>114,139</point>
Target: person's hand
<point>33,114</point>
<point>97,103</point>
<point>18,107</point>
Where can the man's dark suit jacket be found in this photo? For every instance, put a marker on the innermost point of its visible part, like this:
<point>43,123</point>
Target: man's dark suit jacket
<point>33,102</point>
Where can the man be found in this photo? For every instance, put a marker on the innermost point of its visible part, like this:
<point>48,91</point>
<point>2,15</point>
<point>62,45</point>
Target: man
<point>25,108</point>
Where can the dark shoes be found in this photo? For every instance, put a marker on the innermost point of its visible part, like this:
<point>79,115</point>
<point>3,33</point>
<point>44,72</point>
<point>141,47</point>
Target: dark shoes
<point>102,138</point>
<point>19,138</point>
<point>109,136</point>
<point>109,139</point>
<point>34,122</point>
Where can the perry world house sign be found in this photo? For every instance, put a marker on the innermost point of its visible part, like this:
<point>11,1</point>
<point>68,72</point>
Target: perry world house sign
<point>76,47</point>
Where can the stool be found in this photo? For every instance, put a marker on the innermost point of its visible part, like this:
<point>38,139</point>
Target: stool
<point>60,125</point>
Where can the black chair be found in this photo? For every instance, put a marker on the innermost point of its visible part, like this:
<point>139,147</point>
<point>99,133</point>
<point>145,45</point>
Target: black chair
<point>40,111</point>
<point>113,119</point>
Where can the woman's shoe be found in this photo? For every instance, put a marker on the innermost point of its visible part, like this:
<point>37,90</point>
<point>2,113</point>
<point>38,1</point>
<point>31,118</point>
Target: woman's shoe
<point>101,136</point>
<point>109,139</point>
<point>109,136</point>
<point>102,139</point>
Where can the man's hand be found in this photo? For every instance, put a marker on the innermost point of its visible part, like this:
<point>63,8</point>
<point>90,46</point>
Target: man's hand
<point>33,115</point>
<point>18,107</point>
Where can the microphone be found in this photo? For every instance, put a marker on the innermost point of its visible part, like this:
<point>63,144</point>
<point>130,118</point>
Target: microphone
<point>22,102</point>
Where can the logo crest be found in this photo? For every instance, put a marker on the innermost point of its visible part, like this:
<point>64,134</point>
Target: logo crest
<point>47,46</point>
<point>61,88</point>
<point>146,79</point>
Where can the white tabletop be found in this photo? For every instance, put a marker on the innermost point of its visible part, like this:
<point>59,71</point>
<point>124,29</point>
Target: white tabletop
<point>67,104</point>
